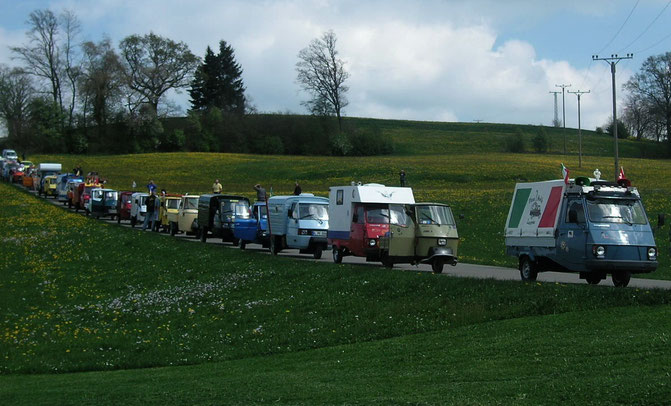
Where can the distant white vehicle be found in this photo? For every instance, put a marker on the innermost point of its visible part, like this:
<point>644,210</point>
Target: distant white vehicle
<point>9,154</point>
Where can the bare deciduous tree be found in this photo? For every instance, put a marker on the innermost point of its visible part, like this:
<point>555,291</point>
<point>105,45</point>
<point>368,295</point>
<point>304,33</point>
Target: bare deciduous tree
<point>102,79</point>
<point>71,63</point>
<point>154,65</point>
<point>322,74</point>
<point>42,55</point>
<point>16,91</point>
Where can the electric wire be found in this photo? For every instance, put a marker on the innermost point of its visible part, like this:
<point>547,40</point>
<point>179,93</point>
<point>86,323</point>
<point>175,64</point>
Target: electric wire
<point>647,28</point>
<point>621,27</point>
<point>654,45</point>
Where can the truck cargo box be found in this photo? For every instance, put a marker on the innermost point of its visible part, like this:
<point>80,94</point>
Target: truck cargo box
<point>533,214</point>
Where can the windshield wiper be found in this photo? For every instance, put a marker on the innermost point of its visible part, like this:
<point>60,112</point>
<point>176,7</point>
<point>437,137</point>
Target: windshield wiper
<point>307,215</point>
<point>426,216</point>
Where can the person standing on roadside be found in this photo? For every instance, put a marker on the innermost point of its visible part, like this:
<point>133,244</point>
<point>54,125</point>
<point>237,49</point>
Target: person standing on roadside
<point>402,177</point>
<point>216,187</point>
<point>155,223</point>
<point>150,204</point>
<point>151,187</point>
<point>260,193</point>
<point>297,189</point>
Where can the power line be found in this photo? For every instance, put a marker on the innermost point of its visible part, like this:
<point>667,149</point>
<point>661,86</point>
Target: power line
<point>647,28</point>
<point>655,44</point>
<point>621,27</point>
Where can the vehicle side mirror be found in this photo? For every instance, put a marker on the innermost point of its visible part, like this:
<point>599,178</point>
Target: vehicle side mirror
<point>572,216</point>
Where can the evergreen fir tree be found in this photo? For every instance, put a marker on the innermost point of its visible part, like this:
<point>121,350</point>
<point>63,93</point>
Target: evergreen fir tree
<point>218,82</point>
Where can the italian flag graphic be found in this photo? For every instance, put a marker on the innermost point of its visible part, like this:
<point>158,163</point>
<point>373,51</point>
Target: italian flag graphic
<point>564,173</point>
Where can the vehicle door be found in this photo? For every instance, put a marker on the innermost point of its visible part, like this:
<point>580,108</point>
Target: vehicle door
<point>401,232</point>
<point>572,235</point>
<point>96,203</point>
<point>357,244</point>
<point>292,224</point>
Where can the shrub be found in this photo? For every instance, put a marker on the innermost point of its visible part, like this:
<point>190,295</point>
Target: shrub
<point>540,141</point>
<point>515,142</point>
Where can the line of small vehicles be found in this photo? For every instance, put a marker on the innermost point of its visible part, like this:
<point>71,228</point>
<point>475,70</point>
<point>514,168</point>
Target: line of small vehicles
<point>585,225</point>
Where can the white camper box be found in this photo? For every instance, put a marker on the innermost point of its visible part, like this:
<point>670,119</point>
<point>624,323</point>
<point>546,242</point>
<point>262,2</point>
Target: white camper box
<point>341,199</point>
<point>52,168</point>
<point>534,213</point>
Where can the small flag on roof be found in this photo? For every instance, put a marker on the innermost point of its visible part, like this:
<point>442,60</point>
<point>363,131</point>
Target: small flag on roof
<point>564,173</point>
<point>621,175</point>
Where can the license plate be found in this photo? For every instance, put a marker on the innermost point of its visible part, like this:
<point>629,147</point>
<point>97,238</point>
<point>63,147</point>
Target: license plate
<point>112,210</point>
<point>319,233</point>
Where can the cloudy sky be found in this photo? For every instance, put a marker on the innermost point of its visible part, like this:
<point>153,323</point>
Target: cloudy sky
<point>446,60</point>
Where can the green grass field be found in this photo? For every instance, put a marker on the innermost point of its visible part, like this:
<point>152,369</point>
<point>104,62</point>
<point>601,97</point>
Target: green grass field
<point>97,314</point>
<point>94,313</point>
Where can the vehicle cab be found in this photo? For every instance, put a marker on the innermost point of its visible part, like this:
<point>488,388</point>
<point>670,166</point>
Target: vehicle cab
<point>62,186</point>
<point>138,207</point>
<point>72,188</point>
<point>299,222</point>
<point>103,203</point>
<point>592,227</point>
<point>49,185</point>
<point>359,215</point>
<point>169,204</point>
<point>217,214</point>
<point>425,233</point>
<point>253,228</point>
<point>184,221</point>
<point>124,204</point>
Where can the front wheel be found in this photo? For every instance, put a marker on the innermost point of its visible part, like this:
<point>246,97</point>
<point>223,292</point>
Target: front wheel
<point>273,246</point>
<point>528,270</point>
<point>318,253</point>
<point>437,265</point>
<point>133,221</point>
<point>236,241</point>
<point>243,244</point>
<point>593,279</point>
<point>621,278</point>
<point>173,229</point>
<point>337,255</point>
<point>387,262</point>
<point>203,234</point>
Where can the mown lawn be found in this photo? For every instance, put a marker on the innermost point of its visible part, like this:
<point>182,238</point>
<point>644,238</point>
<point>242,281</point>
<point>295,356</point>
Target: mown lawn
<point>479,186</point>
<point>79,295</point>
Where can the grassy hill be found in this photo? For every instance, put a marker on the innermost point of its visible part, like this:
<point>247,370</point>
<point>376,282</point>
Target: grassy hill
<point>160,320</point>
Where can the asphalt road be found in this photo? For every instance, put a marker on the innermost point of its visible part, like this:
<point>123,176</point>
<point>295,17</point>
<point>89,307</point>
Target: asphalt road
<point>460,270</point>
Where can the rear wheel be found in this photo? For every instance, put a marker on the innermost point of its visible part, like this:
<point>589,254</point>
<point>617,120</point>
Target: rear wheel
<point>318,253</point>
<point>592,278</point>
<point>235,242</point>
<point>173,229</point>
<point>386,261</point>
<point>203,234</point>
<point>621,278</point>
<point>337,255</point>
<point>528,270</point>
<point>118,219</point>
<point>243,244</point>
<point>437,265</point>
<point>133,221</point>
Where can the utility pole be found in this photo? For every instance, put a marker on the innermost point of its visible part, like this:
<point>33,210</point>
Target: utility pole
<point>578,93</point>
<point>556,120</point>
<point>563,112</point>
<point>612,61</point>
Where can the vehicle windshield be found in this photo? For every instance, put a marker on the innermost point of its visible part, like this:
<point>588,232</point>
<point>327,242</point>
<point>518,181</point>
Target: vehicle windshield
<point>386,214</point>
<point>616,211</point>
<point>143,200</point>
<point>314,211</point>
<point>242,209</point>
<point>172,203</point>
<point>439,215</point>
<point>125,198</point>
<point>191,203</point>
<point>111,195</point>
<point>97,194</point>
<point>235,207</point>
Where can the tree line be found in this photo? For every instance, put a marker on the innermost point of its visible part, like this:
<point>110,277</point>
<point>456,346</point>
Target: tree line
<point>76,96</point>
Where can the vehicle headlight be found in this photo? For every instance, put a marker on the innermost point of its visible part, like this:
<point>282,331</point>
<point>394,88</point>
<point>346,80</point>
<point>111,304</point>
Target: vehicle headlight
<point>442,241</point>
<point>599,251</point>
<point>372,242</point>
<point>652,253</point>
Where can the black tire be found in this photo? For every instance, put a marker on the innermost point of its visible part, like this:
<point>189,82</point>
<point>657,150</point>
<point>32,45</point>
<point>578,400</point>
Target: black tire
<point>273,246</point>
<point>592,278</point>
<point>118,219</point>
<point>437,265</point>
<point>88,213</point>
<point>528,270</point>
<point>386,261</point>
<point>69,203</point>
<point>621,278</point>
<point>133,221</point>
<point>173,229</point>
<point>203,234</point>
<point>235,242</point>
<point>243,244</point>
<point>318,253</point>
<point>337,255</point>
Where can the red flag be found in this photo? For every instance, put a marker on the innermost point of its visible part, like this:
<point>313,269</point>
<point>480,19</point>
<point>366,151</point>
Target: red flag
<point>621,175</point>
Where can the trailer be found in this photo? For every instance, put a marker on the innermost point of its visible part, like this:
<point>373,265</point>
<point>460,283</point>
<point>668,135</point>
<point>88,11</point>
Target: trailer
<point>299,222</point>
<point>359,215</point>
<point>588,226</point>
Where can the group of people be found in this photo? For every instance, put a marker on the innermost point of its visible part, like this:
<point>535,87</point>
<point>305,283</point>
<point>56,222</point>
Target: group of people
<point>153,204</point>
<point>260,190</point>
